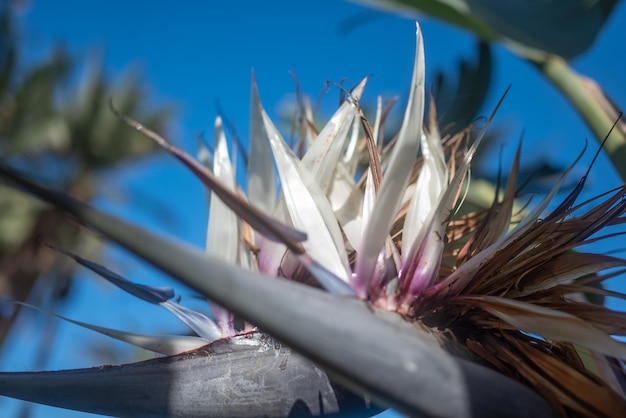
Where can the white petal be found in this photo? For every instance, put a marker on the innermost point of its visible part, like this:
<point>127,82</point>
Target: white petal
<point>261,174</point>
<point>222,239</point>
<point>308,207</point>
<point>431,183</point>
<point>397,174</point>
<point>424,258</point>
<point>199,323</point>
<point>325,152</point>
<point>347,201</point>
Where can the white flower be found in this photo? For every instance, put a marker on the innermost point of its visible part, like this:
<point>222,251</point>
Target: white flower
<point>480,282</point>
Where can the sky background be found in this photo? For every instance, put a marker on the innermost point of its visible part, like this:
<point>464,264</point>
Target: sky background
<point>196,54</point>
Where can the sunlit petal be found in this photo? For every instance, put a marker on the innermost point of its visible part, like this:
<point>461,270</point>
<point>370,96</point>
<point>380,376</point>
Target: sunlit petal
<point>396,177</point>
<point>261,172</point>
<point>308,207</point>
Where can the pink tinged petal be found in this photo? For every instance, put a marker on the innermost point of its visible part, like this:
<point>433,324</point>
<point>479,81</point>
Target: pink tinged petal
<point>380,275</point>
<point>422,267</point>
<point>168,345</point>
<point>308,207</point>
<point>429,189</point>
<point>396,177</point>
<point>423,241</point>
<point>257,219</point>
<point>392,285</point>
<point>422,263</point>
<point>222,237</point>
<point>224,318</point>
<point>271,253</point>
<point>385,277</point>
<point>261,189</point>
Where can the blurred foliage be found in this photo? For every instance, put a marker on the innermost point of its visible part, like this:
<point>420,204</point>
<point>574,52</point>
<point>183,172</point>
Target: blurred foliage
<point>524,24</point>
<point>547,34</point>
<point>58,127</point>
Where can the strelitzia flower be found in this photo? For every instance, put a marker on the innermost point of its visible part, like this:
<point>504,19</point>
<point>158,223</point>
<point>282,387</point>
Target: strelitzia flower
<point>364,268</point>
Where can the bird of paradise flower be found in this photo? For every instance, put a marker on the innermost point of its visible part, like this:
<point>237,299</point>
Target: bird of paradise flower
<point>383,284</point>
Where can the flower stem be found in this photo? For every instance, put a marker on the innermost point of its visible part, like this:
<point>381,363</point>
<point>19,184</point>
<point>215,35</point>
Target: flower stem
<point>592,105</point>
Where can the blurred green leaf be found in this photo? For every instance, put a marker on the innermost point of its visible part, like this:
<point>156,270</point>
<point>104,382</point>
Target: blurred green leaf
<point>547,33</point>
<point>454,12</point>
<point>563,27</point>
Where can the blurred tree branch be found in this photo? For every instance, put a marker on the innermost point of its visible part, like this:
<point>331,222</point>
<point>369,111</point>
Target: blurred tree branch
<point>60,130</point>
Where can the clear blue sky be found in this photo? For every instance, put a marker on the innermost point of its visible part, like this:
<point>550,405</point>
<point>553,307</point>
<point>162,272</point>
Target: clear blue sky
<point>196,53</point>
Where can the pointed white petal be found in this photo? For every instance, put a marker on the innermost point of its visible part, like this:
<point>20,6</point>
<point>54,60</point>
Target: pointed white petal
<point>431,183</point>
<point>261,174</point>
<point>325,152</point>
<point>324,161</point>
<point>308,207</point>
<point>424,259</point>
<point>199,323</point>
<point>397,174</point>
<point>222,238</point>
<point>224,318</point>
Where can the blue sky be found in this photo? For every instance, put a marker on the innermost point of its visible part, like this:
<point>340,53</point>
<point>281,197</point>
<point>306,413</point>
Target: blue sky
<point>195,54</point>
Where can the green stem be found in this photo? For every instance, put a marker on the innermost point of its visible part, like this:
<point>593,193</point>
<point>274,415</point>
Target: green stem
<point>587,102</point>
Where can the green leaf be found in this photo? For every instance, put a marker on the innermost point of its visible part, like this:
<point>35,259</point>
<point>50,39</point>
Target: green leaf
<point>454,12</point>
<point>563,27</point>
<point>367,350</point>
